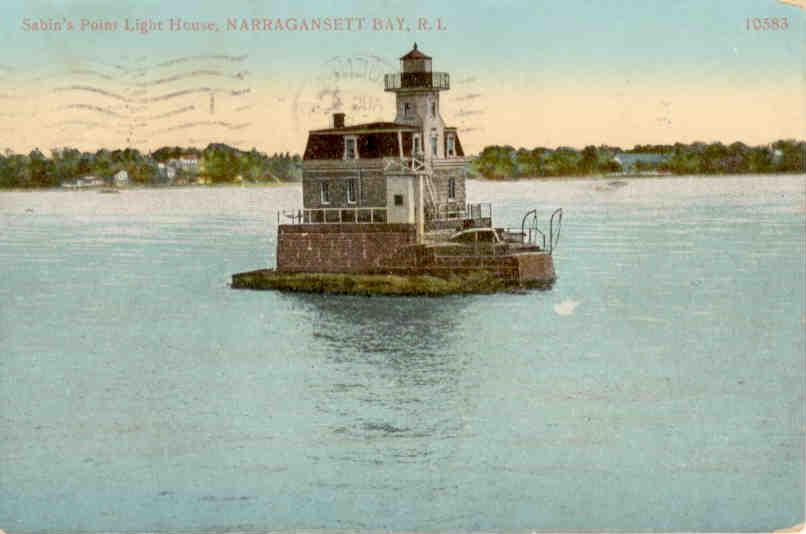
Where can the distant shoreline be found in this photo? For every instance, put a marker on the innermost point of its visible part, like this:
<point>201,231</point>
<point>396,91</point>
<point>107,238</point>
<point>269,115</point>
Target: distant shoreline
<point>259,185</point>
<point>147,187</point>
<point>617,177</point>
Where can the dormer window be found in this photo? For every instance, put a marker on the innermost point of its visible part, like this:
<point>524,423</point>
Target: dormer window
<point>451,145</point>
<point>350,147</point>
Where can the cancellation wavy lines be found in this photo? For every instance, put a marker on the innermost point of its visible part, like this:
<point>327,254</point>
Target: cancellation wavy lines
<point>78,123</point>
<point>92,72</point>
<point>142,70</point>
<point>187,125</point>
<point>89,107</point>
<point>135,102</point>
<point>92,89</point>
<point>205,90</point>
<point>193,74</point>
<point>72,125</point>
<point>167,114</point>
<point>115,66</point>
<point>218,57</point>
<point>147,100</point>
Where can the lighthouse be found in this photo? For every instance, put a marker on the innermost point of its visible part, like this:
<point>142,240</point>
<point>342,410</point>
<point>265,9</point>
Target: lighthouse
<point>417,89</point>
<point>389,198</point>
<point>410,170</point>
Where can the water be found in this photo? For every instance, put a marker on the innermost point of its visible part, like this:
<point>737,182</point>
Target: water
<point>659,385</point>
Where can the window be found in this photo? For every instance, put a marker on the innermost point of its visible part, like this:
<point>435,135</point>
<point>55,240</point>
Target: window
<point>434,140</point>
<point>451,188</point>
<point>433,109</point>
<point>485,236</point>
<point>398,200</point>
<point>451,142</point>
<point>408,109</point>
<point>350,147</point>
<point>418,145</point>
<point>467,237</point>
<point>324,192</point>
<point>351,191</point>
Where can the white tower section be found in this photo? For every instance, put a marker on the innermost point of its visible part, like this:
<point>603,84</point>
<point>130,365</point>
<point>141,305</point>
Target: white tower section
<point>417,90</point>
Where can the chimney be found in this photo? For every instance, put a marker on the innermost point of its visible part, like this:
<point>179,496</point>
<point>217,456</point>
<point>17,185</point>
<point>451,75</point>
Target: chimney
<point>338,120</point>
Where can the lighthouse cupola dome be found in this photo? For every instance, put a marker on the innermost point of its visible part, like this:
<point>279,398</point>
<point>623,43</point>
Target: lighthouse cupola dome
<point>415,61</point>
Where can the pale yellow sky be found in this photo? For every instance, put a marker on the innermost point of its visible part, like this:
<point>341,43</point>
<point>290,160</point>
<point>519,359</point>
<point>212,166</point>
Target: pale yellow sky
<point>276,118</point>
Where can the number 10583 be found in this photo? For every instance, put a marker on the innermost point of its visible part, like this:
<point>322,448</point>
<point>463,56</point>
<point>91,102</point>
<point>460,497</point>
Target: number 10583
<point>767,23</point>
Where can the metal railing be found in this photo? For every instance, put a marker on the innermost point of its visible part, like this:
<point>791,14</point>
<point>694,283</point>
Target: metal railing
<point>332,216</point>
<point>555,224</point>
<point>453,210</point>
<point>530,230</point>
<point>377,215</point>
<point>417,80</point>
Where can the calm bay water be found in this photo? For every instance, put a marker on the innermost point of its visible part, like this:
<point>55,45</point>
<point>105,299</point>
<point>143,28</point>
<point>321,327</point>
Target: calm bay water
<point>659,385</point>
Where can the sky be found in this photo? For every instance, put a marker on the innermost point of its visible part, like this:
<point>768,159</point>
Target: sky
<point>524,73</point>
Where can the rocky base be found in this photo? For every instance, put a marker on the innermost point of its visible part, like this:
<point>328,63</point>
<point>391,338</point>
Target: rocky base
<point>379,284</point>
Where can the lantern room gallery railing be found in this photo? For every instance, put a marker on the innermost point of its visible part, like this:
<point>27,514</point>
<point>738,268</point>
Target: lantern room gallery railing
<point>417,80</point>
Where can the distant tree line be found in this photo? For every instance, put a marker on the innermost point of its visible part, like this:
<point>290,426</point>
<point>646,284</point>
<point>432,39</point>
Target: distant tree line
<point>217,162</point>
<point>502,162</point>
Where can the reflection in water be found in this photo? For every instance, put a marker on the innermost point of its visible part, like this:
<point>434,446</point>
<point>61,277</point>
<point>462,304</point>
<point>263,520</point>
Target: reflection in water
<point>398,373</point>
<point>405,328</point>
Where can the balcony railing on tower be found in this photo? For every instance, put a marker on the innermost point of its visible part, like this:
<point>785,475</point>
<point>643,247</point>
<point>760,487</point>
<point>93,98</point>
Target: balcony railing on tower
<point>417,80</point>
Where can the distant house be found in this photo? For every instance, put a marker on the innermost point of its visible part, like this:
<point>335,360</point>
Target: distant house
<point>166,172</point>
<point>84,181</point>
<point>121,178</point>
<point>185,162</point>
<point>639,162</point>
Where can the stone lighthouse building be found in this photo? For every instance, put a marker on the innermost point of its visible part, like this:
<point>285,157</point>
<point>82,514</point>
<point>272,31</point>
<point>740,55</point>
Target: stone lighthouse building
<point>402,177</point>
<point>389,198</point>
<point>375,170</point>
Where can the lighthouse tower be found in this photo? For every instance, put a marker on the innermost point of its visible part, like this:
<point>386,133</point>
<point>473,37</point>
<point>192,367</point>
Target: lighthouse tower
<point>417,89</point>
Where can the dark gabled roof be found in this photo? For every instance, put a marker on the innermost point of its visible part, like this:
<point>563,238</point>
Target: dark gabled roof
<point>371,144</point>
<point>415,54</point>
<point>369,126</point>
